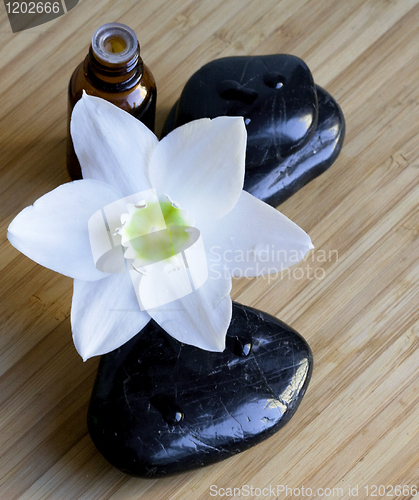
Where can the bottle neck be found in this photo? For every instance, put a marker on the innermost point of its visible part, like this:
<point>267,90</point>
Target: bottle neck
<point>113,77</point>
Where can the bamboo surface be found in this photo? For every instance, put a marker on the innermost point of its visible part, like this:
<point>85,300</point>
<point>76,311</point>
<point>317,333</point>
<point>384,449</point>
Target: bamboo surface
<point>358,423</point>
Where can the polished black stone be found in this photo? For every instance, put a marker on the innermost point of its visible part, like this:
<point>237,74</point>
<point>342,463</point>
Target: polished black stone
<point>160,407</point>
<point>275,182</point>
<point>295,129</point>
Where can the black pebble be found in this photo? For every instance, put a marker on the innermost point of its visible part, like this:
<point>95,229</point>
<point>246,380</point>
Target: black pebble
<point>161,407</point>
<point>295,129</point>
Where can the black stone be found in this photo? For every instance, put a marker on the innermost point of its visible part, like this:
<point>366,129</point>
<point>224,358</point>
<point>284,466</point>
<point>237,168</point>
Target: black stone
<point>160,407</point>
<point>295,128</point>
<point>273,182</point>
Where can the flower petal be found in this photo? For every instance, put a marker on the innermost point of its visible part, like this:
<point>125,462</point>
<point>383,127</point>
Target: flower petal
<point>254,239</point>
<point>200,318</point>
<point>105,314</point>
<point>112,146</point>
<point>54,230</point>
<point>201,166</point>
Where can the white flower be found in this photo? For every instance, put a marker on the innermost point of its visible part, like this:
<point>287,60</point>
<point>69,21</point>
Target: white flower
<point>199,165</point>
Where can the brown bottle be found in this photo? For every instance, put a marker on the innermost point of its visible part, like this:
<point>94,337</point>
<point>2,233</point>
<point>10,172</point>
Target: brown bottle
<point>113,70</point>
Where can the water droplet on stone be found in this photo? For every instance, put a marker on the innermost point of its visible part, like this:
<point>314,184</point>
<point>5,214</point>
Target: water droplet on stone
<point>240,346</point>
<point>169,410</point>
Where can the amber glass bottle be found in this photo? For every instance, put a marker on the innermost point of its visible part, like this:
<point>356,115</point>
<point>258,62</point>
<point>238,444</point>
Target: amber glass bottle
<point>113,70</point>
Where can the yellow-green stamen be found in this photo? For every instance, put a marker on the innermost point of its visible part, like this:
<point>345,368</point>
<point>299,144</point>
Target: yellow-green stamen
<point>151,243</point>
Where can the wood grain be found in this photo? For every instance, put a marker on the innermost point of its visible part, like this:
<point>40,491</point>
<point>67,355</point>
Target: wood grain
<point>358,424</point>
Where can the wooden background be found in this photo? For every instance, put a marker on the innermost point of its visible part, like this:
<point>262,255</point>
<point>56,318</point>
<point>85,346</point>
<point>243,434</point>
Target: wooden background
<point>358,423</point>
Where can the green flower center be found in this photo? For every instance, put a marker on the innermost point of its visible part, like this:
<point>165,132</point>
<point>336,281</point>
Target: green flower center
<point>152,240</point>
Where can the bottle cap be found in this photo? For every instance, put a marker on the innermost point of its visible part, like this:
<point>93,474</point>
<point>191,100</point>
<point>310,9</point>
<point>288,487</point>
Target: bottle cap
<point>114,43</point>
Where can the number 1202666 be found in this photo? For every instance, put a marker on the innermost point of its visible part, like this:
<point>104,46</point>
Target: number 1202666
<point>389,491</point>
<point>33,7</point>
